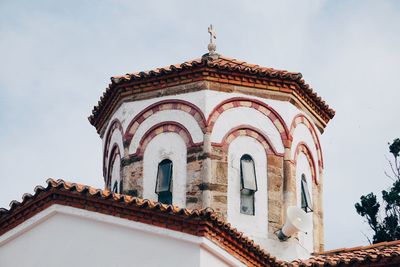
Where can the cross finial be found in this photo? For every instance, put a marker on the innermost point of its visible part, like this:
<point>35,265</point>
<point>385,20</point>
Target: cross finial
<point>212,33</point>
<point>212,46</point>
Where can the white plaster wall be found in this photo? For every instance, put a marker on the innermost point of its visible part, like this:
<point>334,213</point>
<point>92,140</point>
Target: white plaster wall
<point>116,173</point>
<point>206,101</point>
<point>256,225</point>
<point>242,115</point>
<point>64,236</point>
<point>208,258</point>
<point>64,240</point>
<point>166,146</point>
<point>285,109</point>
<point>303,167</point>
<point>128,110</point>
<point>303,134</point>
<point>179,116</point>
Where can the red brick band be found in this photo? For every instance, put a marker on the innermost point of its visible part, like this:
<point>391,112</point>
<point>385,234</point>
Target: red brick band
<point>250,131</point>
<point>303,148</point>
<point>170,104</point>
<point>114,154</point>
<point>165,127</point>
<point>301,119</point>
<point>260,106</point>
<point>114,125</point>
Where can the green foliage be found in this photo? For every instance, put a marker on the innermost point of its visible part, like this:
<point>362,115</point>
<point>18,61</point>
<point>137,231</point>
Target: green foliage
<point>394,148</point>
<point>384,223</point>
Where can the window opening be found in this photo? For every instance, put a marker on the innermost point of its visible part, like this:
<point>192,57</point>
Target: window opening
<point>306,203</point>
<point>115,187</point>
<point>248,184</point>
<point>164,182</point>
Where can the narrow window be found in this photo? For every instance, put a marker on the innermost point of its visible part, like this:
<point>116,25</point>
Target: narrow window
<point>164,180</point>
<point>248,185</point>
<point>306,203</point>
<point>115,174</point>
<point>115,187</point>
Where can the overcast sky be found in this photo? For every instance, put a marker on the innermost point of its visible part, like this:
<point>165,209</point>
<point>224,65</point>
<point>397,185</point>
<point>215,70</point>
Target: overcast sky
<point>56,60</point>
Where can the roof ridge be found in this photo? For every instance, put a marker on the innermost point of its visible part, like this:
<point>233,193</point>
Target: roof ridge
<point>207,214</point>
<point>339,250</point>
<point>220,64</point>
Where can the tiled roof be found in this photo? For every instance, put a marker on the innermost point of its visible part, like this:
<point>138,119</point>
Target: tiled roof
<point>223,64</point>
<point>380,254</point>
<point>203,222</point>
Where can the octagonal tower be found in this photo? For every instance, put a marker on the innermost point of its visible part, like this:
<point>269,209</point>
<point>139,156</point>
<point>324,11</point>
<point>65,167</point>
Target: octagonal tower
<point>221,133</point>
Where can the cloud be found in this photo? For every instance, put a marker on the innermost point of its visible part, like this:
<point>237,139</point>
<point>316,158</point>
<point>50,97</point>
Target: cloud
<point>57,59</point>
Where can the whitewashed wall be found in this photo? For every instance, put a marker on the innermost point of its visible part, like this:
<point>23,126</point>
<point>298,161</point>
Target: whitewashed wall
<point>179,116</point>
<point>303,167</point>
<point>303,134</point>
<point>172,146</point>
<point>246,116</point>
<point>63,237</point>
<point>206,101</point>
<point>257,224</point>
<point>166,146</point>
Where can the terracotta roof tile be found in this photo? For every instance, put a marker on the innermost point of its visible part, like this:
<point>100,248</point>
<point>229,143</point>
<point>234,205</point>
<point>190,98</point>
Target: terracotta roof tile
<point>387,253</point>
<point>222,64</point>
<point>204,222</point>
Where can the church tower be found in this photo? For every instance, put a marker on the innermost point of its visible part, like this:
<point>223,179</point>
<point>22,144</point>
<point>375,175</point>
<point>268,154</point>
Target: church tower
<point>221,133</point>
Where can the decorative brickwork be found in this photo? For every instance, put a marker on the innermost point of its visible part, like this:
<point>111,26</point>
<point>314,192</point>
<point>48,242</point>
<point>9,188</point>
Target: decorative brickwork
<point>303,148</point>
<point>318,227</point>
<point>250,131</point>
<point>223,70</point>
<point>170,104</point>
<point>266,110</point>
<point>300,118</point>
<point>114,154</point>
<point>165,127</point>
<point>114,125</point>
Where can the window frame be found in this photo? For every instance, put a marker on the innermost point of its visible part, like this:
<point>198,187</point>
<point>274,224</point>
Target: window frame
<point>306,201</point>
<point>164,194</point>
<point>114,187</point>
<point>247,194</point>
<point>116,157</point>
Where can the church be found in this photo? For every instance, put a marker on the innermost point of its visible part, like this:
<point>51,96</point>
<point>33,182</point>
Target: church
<point>211,162</point>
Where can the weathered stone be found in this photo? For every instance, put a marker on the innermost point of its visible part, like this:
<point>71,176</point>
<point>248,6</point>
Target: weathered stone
<point>220,199</point>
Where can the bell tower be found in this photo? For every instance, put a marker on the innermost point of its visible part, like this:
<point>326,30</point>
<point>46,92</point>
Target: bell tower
<point>221,133</point>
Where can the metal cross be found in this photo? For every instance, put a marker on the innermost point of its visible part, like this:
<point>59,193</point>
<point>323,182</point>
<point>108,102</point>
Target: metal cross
<point>212,33</point>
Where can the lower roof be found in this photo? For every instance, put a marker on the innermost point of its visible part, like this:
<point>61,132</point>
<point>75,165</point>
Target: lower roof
<point>205,223</point>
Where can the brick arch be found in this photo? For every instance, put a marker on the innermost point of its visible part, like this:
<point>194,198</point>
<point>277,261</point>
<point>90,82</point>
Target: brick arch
<point>169,104</point>
<point>260,106</point>
<point>114,153</point>
<point>114,125</point>
<point>301,119</point>
<point>165,127</point>
<point>303,148</point>
<point>250,131</point>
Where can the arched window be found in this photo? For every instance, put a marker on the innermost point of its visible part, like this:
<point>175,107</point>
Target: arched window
<point>248,184</point>
<point>115,174</point>
<point>306,203</point>
<point>164,182</point>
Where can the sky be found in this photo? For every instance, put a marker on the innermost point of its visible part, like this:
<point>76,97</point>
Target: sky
<point>56,59</point>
